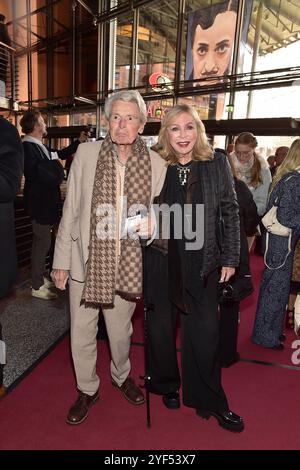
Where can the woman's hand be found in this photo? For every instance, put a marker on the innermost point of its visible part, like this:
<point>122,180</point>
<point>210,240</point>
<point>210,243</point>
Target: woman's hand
<point>60,277</point>
<point>226,273</point>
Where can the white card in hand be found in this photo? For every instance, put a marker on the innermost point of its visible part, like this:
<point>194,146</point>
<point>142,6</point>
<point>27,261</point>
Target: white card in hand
<point>54,156</point>
<point>131,224</point>
<point>2,353</point>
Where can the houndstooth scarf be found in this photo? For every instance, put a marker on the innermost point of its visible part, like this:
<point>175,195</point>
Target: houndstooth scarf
<point>104,278</point>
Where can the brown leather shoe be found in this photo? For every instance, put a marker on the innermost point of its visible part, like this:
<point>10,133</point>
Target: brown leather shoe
<point>80,410</point>
<point>130,391</point>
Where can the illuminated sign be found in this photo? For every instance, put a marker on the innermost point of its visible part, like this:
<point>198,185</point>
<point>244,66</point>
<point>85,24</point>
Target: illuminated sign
<point>159,81</point>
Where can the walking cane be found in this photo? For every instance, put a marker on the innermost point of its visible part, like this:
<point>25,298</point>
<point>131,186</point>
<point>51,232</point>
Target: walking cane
<point>146,377</point>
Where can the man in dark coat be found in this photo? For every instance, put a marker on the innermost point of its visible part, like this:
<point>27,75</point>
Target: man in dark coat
<point>11,169</point>
<point>5,39</point>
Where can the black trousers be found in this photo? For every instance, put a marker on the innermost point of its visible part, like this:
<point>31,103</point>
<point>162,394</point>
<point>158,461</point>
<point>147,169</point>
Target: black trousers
<point>201,370</point>
<point>162,318</point>
<point>41,244</point>
<point>229,323</point>
<point>1,365</point>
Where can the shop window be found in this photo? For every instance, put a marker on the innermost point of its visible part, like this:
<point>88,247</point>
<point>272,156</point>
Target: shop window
<point>157,109</point>
<point>157,36</point>
<point>86,63</point>
<point>121,37</point>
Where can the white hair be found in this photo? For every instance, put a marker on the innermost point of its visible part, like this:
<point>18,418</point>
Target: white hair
<point>131,96</point>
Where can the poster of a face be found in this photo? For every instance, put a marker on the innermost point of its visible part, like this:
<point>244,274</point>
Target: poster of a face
<point>210,41</point>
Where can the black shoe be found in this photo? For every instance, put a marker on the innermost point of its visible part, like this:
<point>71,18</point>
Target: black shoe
<point>171,400</point>
<point>227,419</point>
<point>279,346</point>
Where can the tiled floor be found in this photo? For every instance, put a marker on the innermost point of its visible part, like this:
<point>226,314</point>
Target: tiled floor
<point>30,327</point>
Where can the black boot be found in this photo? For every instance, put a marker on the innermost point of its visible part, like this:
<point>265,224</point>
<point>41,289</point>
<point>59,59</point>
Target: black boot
<point>227,419</point>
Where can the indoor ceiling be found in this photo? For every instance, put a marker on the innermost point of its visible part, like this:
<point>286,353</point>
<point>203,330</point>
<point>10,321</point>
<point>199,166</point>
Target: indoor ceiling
<point>280,21</point>
<point>280,24</point>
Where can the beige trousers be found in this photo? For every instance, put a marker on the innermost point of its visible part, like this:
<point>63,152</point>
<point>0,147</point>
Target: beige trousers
<point>84,328</point>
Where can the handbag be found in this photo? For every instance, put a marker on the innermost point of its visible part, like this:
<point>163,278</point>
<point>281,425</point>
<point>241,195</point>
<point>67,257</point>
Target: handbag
<point>236,289</point>
<point>272,225</point>
<point>297,316</point>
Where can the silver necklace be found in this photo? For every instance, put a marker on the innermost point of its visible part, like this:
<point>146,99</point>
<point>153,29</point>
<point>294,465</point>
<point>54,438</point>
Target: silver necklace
<point>183,172</point>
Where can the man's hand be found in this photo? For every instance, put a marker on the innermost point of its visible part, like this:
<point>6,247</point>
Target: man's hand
<point>146,227</point>
<point>226,273</point>
<point>60,277</point>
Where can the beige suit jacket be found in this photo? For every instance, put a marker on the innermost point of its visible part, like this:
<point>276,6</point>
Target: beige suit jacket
<point>72,241</point>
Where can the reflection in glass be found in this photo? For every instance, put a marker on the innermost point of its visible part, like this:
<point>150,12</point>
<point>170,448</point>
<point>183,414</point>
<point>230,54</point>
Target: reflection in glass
<point>123,51</point>
<point>157,109</point>
<point>157,35</point>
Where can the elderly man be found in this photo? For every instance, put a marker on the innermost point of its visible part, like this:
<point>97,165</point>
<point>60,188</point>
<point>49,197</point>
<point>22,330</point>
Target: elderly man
<point>103,266</point>
<point>280,154</point>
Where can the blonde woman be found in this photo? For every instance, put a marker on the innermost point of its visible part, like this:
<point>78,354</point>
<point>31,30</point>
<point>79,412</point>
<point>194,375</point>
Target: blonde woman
<point>196,177</point>
<point>275,283</point>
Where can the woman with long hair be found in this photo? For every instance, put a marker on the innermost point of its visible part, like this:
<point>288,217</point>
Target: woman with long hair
<point>275,283</point>
<point>197,184</point>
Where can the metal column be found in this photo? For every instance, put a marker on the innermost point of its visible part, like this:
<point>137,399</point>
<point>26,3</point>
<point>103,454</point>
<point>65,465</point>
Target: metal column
<point>181,12</point>
<point>134,47</point>
<point>237,43</point>
<point>50,51</point>
<point>29,59</point>
<point>258,26</point>
<point>100,66</point>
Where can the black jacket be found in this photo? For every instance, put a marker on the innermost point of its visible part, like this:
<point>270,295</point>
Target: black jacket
<point>249,220</point>
<point>210,183</point>
<point>11,170</point>
<point>42,182</point>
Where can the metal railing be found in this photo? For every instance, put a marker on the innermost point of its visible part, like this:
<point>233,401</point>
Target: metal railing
<point>8,76</point>
<point>23,232</point>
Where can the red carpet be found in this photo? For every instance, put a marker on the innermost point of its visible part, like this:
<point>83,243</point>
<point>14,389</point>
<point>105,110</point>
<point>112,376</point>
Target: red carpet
<point>247,349</point>
<point>33,414</point>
